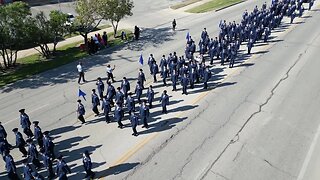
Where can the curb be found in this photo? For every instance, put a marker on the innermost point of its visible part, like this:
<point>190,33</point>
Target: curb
<point>229,5</point>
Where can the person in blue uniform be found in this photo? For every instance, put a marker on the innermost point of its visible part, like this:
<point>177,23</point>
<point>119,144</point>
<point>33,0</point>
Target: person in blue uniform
<point>87,164</point>
<point>144,114</point>
<point>47,162</point>
<point>38,134</point>
<point>33,154</point>
<point>111,92</point>
<point>134,120</point>
<point>250,45</point>
<point>62,169</point>
<point>27,170</point>
<point>10,166</point>
<point>150,63</point>
<point>206,77</point>
<point>106,108</point>
<point>130,103</point>
<point>119,97</point>
<point>20,142</point>
<point>184,84</point>
<point>150,96</point>
<point>155,71</point>
<point>164,75</point>
<point>118,115</point>
<point>141,78</point>
<point>164,99</point>
<point>25,123</point>
<point>81,111</point>
<point>100,87</point>
<point>125,87</point>
<point>138,90</point>
<point>163,63</point>
<point>95,102</point>
<point>174,79</point>
<point>3,132</point>
<point>48,145</point>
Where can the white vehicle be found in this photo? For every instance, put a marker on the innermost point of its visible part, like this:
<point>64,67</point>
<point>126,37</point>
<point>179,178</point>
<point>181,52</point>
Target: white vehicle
<point>70,19</point>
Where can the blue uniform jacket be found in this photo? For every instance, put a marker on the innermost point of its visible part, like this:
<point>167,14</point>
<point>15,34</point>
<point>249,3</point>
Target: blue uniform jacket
<point>19,140</point>
<point>10,166</point>
<point>24,121</point>
<point>164,100</point>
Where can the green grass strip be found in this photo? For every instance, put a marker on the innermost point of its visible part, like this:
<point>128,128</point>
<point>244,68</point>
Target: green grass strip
<point>213,5</point>
<point>184,3</point>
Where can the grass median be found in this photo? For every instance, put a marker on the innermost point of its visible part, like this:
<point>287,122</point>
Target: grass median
<point>184,3</point>
<point>35,64</point>
<point>213,5</point>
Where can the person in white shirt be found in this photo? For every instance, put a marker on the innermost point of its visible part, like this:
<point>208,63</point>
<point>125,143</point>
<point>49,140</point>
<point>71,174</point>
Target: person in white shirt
<point>109,73</point>
<point>81,73</point>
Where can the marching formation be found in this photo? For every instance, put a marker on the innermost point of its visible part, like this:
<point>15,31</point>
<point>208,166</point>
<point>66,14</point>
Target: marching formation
<point>113,102</point>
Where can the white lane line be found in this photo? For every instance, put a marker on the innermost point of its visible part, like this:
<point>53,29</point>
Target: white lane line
<point>309,154</point>
<point>30,112</point>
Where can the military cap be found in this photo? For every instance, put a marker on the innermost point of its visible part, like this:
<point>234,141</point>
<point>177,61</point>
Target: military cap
<point>15,129</point>
<point>35,122</point>
<point>79,100</point>
<point>22,110</point>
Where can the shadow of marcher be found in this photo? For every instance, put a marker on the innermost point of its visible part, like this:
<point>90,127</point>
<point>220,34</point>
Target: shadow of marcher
<point>117,169</point>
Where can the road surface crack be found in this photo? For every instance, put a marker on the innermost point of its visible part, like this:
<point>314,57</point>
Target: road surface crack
<point>220,175</point>
<point>278,169</point>
<point>237,135</point>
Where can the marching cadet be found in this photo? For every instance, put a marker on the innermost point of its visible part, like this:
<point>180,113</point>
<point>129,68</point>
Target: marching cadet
<point>33,154</point>
<point>87,164</point>
<point>3,148</point>
<point>111,92</point>
<point>95,102</point>
<point>163,63</point>
<point>134,123</point>
<point>81,111</point>
<point>47,162</point>
<point>174,79</point>
<point>155,71</point>
<point>250,45</point>
<point>192,77</point>
<point>150,96</point>
<point>164,99</point>
<point>48,145</point>
<point>141,78</point>
<point>27,170</point>
<point>292,16</point>
<point>164,75</point>
<point>144,114</point>
<point>266,34</point>
<point>150,63</point>
<point>232,57</point>
<point>138,90</point>
<point>118,115</point>
<point>119,96</point>
<point>38,134</point>
<point>10,166</point>
<point>25,123</point>
<point>125,87</point>
<point>184,83</point>
<point>130,103</point>
<point>100,87</point>
<point>20,142</point>
<point>3,132</point>
<point>106,107</point>
<point>62,169</point>
<point>206,77</point>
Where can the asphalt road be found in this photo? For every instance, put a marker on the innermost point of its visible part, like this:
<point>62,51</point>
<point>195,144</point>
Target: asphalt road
<point>258,121</point>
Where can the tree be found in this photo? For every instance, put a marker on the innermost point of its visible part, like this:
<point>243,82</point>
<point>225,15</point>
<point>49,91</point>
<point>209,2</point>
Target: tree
<point>114,11</point>
<point>15,29</point>
<point>49,31</point>
<point>87,19</point>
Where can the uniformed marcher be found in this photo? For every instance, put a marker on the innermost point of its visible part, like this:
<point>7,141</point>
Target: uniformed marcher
<point>87,164</point>
<point>106,107</point>
<point>27,170</point>
<point>95,102</point>
<point>100,87</point>
<point>144,114</point>
<point>20,142</point>
<point>3,132</point>
<point>150,96</point>
<point>62,169</point>
<point>25,123</point>
<point>184,84</point>
<point>81,111</point>
<point>47,162</point>
<point>138,90</point>
<point>164,75</point>
<point>250,45</point>
<point>164,99</point>
<point>125,87</point>
<point>130,103</point>
<point>206,77</point>
<point>150,63</point>
<point>10,166</point>
<point>48,145</point>
<point>38,134</point>
<point>119,97</point>
<point>141,78</point>
<point>155,71</point>
<point>33,154</point>
<point>134,120</point>
<point>118,115</point>
<point>174,79</point>
<point>111,92</point>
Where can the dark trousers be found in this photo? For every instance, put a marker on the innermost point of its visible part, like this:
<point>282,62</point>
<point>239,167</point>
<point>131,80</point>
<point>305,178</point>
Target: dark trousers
<point>164,81</point>
<point>205,85</point>
<point>174,86</point>
<point>154,77</point>
<point>36,162</point>
<point>13,176</point>
<point>89,173</point>
<point>150,104</point>
<point>81,118</point>
<point>50,171</point>
<point>145,123</point>
<point>120,123</point>
<point>107,118</point>
<point>110,76</point>
<point>184,90</point>
<point>134,129</point>
<point>28,132</point>
<point>164,109</point>
<point>81,76</point>
<point>95,110</point>
<point>23,150</point>
<point>40,142</point>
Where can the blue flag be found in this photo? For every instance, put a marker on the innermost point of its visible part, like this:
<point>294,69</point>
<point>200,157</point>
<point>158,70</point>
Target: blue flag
<point>141,60</point>
<point>81,93</point>
<point>188,36</point>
